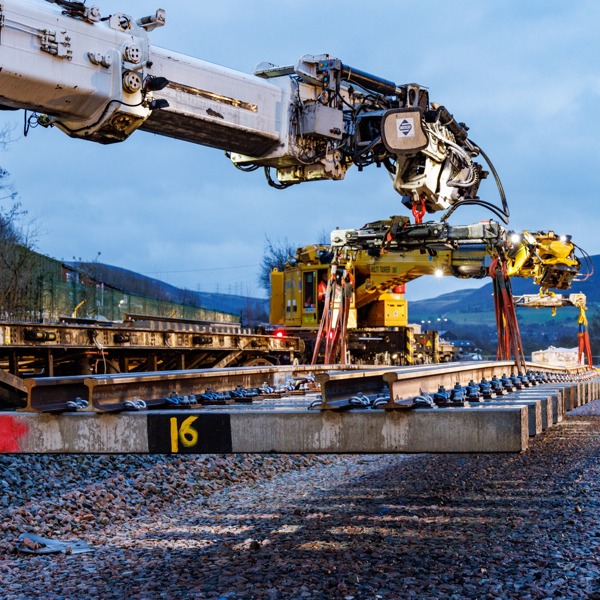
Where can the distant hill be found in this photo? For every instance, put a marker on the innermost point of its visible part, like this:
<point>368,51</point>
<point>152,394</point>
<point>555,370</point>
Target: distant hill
<point>142,285</point>
<point>469,301</point>
<point>462,309</point>
<point>469,314</point>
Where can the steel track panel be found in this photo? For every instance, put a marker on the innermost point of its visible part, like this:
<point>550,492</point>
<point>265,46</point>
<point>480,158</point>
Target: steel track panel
<point>339,384</point>
<point>407,382</point>
<point>109,392</point>
<point>403,385</point>
<point>496,426</point>
<point>106,390</point>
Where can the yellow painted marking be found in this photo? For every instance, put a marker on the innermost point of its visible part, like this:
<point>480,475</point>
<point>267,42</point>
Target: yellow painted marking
<point>187,434</point>
<point>174,435</point>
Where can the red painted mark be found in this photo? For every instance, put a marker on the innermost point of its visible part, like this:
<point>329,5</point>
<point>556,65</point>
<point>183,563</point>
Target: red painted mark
<point>11,431</point>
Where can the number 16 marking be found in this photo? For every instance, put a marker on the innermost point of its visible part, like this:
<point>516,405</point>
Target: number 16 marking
<point>185,433</point>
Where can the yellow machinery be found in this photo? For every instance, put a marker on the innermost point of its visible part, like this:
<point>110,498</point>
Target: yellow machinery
<point>377,321</point>
<point>368,268</point>
<point>295,292</point>
<point>306,121</point>
<point>547,258</point>
<point>554,301</point>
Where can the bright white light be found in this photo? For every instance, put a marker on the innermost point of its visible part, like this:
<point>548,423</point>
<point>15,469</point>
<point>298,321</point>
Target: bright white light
<point>515,238</point>
<point>563,239</point>
<point>439,273</point>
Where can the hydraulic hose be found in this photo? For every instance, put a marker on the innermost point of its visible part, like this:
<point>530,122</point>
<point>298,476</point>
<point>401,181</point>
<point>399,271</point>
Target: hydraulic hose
<point>369,82</point>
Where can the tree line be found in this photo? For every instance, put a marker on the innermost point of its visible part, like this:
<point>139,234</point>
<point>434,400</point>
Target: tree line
<point>20,265</point>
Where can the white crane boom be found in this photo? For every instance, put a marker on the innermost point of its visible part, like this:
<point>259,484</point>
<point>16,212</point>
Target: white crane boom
<point>98,77</point>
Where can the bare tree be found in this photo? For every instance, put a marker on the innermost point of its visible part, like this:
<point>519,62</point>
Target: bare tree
<point>21,269</point>
<point>324,238</point>
<point>275,256</point>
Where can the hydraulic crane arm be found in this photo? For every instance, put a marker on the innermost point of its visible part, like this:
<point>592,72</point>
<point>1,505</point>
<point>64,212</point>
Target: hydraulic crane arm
<point>552,301</point>
<point>395,246</point>
<point>98,77</point>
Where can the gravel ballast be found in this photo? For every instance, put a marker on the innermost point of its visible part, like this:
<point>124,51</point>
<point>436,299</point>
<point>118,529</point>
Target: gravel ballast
<point>287,527</point>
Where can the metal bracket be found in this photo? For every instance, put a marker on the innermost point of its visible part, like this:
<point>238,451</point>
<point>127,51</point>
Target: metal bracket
<point>153,21</point>
<point>97,58</point>
<point>56,43</point>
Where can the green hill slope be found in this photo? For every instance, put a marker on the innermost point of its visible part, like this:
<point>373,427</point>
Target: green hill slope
<point>469,314</point>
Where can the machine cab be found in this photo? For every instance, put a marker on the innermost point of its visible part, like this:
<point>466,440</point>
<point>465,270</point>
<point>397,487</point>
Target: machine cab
<point>298,293</point>
<point>313,287</point>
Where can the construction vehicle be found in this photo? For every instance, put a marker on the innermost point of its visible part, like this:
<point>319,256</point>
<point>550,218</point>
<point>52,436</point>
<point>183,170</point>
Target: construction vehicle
<point>97,77</point>
<point>378,330</point>
<point>367,269</point>
<point>399,248</point>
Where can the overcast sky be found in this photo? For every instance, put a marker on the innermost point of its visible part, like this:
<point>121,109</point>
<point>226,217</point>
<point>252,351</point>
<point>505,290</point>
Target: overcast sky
<point>524,76</point>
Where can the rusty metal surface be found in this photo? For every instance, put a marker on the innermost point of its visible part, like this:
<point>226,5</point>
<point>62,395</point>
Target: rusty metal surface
<point>113,335</point>
<point>31,350</point>
<point>11,381</point>
<point>53,394</point>
<point>107,393</point>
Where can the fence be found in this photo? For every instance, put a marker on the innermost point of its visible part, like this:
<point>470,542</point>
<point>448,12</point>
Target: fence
<point>44,289</point>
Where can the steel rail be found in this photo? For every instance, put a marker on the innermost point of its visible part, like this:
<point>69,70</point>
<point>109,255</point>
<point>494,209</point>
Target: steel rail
<point>406,382</point>
<point>284,425</point>
<point>109,393</point>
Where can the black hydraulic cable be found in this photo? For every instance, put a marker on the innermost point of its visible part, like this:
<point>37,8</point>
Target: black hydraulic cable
<point>276,184</point>
<point>502,213</point>
<point>245,168</point>
<point>589,263</point>
<point>390,165</point>
<point>29,122</point>
<point>101,117</point>
<point>498,181</point>
<point>499,185</point>
<point>477,202</point>
<point>370,146</point>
